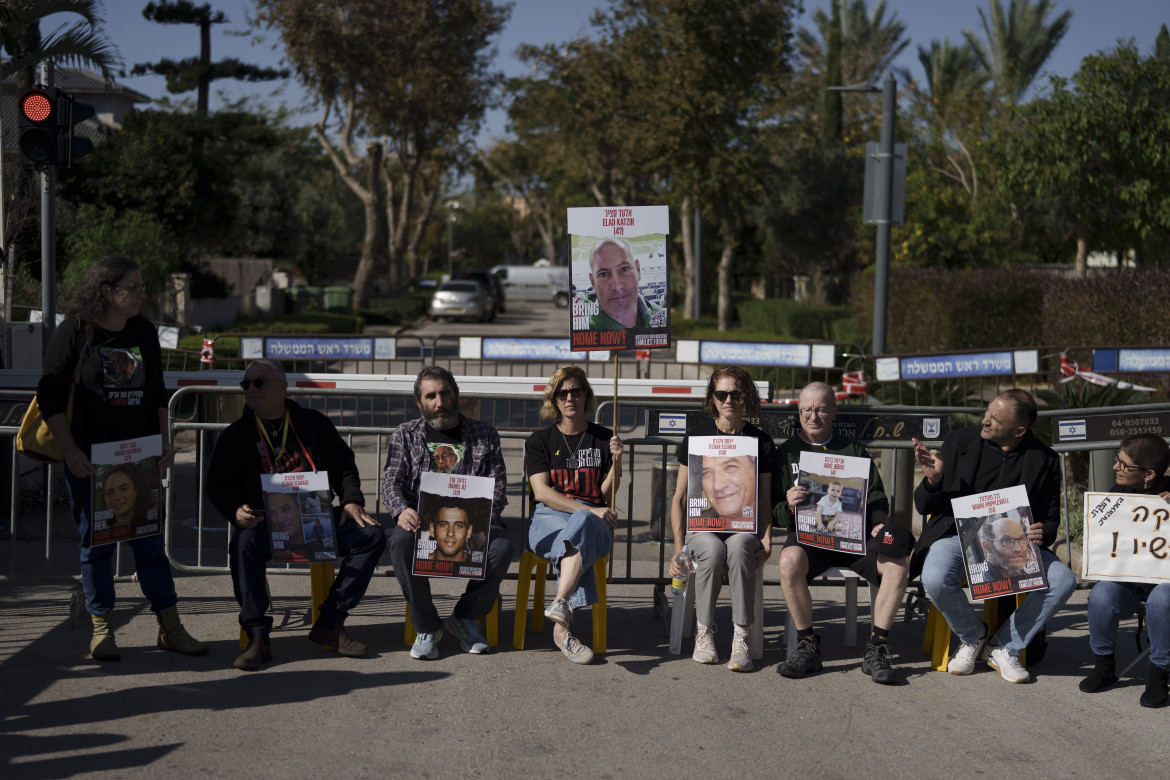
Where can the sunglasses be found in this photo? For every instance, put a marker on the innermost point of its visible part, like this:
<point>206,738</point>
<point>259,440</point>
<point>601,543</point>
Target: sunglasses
<point>572,392</point>
<point>721,395</point>
<point>259,382</point>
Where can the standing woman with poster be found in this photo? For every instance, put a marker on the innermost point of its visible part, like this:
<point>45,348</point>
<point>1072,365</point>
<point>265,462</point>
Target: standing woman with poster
<point>731,399</point>
<point>1138,467</point>
<point>111,404</point>
<point>572,466</point>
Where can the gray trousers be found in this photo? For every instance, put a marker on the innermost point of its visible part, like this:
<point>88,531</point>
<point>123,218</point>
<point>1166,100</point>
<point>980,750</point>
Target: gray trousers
<point>712,554</point>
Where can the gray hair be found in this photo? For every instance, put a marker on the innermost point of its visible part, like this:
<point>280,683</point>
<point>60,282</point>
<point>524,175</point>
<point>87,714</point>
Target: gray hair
<point>619,243</point>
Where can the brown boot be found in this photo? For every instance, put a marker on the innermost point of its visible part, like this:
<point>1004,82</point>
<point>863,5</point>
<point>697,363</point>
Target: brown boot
<point>259,652</point>
<point>102,646</point>
<point>172,635</point>
<point>327,632</point>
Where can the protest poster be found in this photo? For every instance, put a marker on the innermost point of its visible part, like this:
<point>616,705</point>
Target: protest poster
<point>997,554</point>
<point>1126,538</point>
<point>126,490</point>
<point>833,517</point>
<point>620,278</point>
<point>299,509</point>
<point>455,513</point>
<point>722,478</point>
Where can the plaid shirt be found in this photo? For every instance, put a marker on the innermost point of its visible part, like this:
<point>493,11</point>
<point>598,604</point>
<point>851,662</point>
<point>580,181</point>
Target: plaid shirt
<point>407,457</point>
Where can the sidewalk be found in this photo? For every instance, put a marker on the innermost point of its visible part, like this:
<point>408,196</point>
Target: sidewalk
<point>636,712</point>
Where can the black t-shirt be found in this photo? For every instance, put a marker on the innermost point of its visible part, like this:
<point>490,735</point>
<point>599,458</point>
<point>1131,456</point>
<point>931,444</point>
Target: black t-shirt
<point>445,448</point>
<point>119,381</point>
<point>576,465</point>
<point>767,447</point>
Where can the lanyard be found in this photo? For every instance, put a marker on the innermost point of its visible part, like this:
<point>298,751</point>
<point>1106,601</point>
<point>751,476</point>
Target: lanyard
<point>269,462</point>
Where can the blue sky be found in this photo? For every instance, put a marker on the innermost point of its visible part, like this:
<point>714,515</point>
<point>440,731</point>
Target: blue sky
<point>1096,25</point>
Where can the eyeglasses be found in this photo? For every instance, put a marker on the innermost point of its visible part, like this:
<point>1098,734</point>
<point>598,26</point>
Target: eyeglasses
<point>721,395</point>
<point>1007,542</point>
<point>820,411</point>
<point>132,288</point>
<point>572,392</point>
<point>258,382</point>
<point>1117,461</point>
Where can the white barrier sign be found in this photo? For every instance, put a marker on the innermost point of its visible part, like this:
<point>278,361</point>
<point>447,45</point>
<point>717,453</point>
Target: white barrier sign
<point>1126,538</point>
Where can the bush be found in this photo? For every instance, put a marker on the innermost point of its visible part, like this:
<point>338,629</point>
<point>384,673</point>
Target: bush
<point>788,319</point>
<point>1121,308</point>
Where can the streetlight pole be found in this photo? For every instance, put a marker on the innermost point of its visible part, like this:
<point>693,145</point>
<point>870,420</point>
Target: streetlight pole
<point>452,218</point>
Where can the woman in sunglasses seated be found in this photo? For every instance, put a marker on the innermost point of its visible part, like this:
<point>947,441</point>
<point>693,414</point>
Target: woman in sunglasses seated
<point>572,466</point>
<point>737,488</point>
<point>1139,467</point>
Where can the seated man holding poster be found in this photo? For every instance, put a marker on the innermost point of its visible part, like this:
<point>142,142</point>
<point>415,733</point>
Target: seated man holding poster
<point>409,454</point>
<point>886,557</point>
<point>998,454</point>
<point>276,438</point>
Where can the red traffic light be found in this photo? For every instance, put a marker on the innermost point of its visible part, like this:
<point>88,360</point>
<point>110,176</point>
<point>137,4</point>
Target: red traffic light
<point>36,106</point>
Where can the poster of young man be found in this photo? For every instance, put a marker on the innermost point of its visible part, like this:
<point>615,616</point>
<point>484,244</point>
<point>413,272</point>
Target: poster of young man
<point>454,512</point>
<point>993,530</point>
<point>126,490</point>
<point>834,515</point>
<point>722,475</point>
<point>1127,538</point>
<point>299,516</point>
<point>620,278</point>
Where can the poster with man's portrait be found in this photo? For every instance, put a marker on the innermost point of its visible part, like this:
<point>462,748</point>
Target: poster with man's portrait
<point>833,517</point>
<point>126,490</point>
<point>722,483</point>
<point>620,278</point>
<point>454,512</point>
<point>299,512</point>
<point>997,554</point>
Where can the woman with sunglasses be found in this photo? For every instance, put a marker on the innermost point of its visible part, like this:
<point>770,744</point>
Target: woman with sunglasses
<point>1138,467</point>
<point>573,466</point>
<point>86,359</point>
<point>731,399</point>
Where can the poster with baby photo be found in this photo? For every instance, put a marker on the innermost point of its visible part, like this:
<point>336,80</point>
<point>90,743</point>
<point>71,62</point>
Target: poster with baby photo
<point>454,513</point>
<point>300,516</point>
<point>722,478</point>
<point>126,490</point>
<point>997,554</point>
<point>619,277</point>
<point>833,517</point>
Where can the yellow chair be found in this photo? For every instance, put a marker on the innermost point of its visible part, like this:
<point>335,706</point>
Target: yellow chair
<point>320,581</point>
<point>531,563</point>
<point>936,639</point>
<point>491,623</point>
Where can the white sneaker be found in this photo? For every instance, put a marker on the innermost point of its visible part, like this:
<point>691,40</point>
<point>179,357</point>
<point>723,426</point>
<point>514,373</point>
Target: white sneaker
<point>1006,663</point>
<point>964,660</point>
<point>705,652</point>
<point>741,657</point>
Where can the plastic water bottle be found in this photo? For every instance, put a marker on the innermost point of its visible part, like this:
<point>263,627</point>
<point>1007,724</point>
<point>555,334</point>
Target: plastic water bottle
<point>678,585</point>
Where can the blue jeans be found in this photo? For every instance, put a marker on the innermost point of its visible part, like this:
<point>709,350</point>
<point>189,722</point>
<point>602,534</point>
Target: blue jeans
<point>97,563</point>
<point>943,575</point>
<point>552,533</point>
<point>1111,602</point>
<point>477,600</point>
<point>359,548</point>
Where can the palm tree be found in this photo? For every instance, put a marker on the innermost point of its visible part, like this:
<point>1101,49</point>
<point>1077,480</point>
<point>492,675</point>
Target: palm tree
<point>869,41</point>
<point>1017,43</point>
<point>83,42</point>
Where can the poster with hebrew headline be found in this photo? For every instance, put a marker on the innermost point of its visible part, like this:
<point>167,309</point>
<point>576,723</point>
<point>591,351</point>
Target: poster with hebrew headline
<point>834,515</point>
<point>299,511</point>
<point>1127,538</point>
<point>722,483</point>
<point>127,492</point>
<point>997,554</point>
<point>454,512</point>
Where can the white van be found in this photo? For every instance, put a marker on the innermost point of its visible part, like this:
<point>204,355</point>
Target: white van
<point>533,283</point>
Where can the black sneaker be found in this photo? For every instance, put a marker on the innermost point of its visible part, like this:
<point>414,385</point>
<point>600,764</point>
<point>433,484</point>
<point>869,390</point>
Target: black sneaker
<point>807,658</point>
<point>876,664</point>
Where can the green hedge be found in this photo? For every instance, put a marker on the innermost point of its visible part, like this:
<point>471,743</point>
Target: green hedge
<point>786,318</point>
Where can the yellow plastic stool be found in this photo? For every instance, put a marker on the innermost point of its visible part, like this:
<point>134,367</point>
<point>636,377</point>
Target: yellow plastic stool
<point>936,639</point>
<point>531,563</point>
<point>320,581</point>
<point>491,624</point>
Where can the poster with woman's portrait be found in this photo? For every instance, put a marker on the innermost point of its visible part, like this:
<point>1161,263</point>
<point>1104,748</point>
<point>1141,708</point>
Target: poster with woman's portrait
<point>126,490</point>
<point>833,517</point>
<point>722,482</point>
<point>298,509</point>
<point>454,512</point>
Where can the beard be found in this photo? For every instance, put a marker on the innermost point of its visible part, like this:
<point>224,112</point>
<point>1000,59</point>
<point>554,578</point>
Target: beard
<point>442,420</point>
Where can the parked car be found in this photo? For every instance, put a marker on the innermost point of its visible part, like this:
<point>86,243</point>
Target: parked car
<point>490,283</point>
<point>462,298</point>
<point>535,283</point>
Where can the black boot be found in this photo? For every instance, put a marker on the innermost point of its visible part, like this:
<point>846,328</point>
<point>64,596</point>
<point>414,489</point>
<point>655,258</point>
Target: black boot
<point>259,651</point>
<point>1156,685</point>
<point>1103,675</point>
